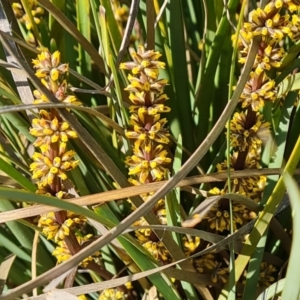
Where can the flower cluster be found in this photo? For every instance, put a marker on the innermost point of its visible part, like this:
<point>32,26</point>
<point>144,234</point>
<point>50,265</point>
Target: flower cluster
<point>208,264</point>
<point>149,161</point>
<point>109,294</point>
<point>62,252</point>
<point>55,229</point>
<point>53,161</point>
<point>121,13</point>
<point>52,133</point>
<point>273,24</point>
<point>265,279</point>
<point>36,11</point>
<point>248,130</point>
<point>28,20</point>
<point>219,216</point>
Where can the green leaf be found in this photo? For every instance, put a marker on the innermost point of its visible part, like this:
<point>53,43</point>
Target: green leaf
<point>291,290</point>
<point>206,86</point>
<point>181,87</point>
<point>24,236</point>
<point>290,83</point>
<point>174,215</point>
<point>292,54</point>
<point>253,271</point>
<point>115,36</point>
<point>13,173</point>
<point>7,242</point>
<point>279,143</point>
<point>84,26</point>
<point>4,270</point>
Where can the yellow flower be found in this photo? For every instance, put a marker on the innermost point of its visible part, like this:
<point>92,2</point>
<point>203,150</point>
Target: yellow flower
<point>36,11</point>
<point>247,138</point>
<point>208,264</point>
<point>144,62</point>
<point>244,185</point>
<point>49,130</point>
<point>292,5</point>
<point>145,128</point>
<point>62,252</point>
<point>266,22</point>
<point>257,91</point>
<point>265,276</point>
<point>190,244</point>
<point>121,12</point>
<point>145,84</point>
<point>48,65</point>
<point>157,250</point>
<point>57,230</point>
<point>147,237</point>
<point>218,216</point>
<point>148,165</point>
<point>45,169</point>
<point>60,92</point>
<point>112,294</point>
<point>148,103</point>
<point>269,55</point>
<point>293,27</point>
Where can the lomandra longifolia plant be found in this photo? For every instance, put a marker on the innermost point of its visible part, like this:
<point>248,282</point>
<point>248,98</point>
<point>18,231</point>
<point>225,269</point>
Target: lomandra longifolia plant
<point>197,97</point>
<point>67,229</point>
<point>54,160</point>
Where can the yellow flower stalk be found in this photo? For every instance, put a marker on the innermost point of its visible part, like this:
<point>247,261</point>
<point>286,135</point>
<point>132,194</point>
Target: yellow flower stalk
<point>53,161</point>
<point>248,130</point>
<point>149,161</point>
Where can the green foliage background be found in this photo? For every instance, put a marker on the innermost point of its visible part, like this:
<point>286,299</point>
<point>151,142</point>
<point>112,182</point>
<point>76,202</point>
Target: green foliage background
<point>194,38</point>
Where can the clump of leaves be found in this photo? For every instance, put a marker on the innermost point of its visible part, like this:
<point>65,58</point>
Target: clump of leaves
<point>110,192</point>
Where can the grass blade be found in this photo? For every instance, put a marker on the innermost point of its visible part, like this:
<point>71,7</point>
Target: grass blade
<point>291,290</point>
<point>4,270</point>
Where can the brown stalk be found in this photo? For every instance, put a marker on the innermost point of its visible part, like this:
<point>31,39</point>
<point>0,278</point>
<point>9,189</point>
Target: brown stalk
<point>131,191</point>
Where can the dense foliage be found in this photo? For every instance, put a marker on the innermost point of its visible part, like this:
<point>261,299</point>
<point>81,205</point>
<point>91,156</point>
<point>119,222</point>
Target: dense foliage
<point>146,149</point>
